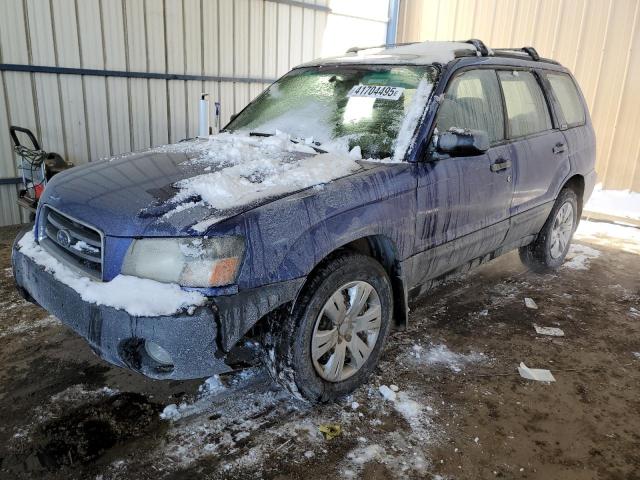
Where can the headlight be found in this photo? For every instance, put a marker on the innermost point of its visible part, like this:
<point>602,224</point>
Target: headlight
<point>189,262</point>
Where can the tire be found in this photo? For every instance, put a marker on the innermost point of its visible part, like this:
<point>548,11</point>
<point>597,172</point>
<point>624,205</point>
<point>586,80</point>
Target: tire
<point>292,342</point>
<point>544,255</point>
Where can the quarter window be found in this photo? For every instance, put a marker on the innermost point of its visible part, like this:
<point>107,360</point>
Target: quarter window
<point>472,101</point>
<point>527,109</point>
<point>565,91</point>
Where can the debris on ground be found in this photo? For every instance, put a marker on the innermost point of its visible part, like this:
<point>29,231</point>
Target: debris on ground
<point>537,374</point>
<point>530,303</point>
<point>387,393</point>
<point>330,430</point>
<point>551,331</point>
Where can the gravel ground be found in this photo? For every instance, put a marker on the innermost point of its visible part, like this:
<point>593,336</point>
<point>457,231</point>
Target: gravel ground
<point>460,410</point>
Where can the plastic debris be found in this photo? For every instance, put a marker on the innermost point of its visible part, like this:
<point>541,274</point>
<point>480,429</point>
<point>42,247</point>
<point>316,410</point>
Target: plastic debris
<point>330,430</point>
<point>551,331</point>
<point>530,303</point>
<point>537,374</point>
<point>395,388</point>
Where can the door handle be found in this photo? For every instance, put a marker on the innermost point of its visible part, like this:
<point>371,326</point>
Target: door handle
<point>559,148</point>
<point>500,165</point>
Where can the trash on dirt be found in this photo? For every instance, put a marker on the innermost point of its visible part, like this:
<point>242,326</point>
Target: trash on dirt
<point>637,355</point>
<point>634,312</point>
<point>395,388</point>
<point>551,331</point>
<point>537,374</point>
<point>530,303</point>
<point>330,430</point>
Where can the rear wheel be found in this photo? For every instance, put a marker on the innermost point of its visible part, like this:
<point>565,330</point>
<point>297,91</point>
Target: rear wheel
<point>548,251</point>
<point>333,339</point>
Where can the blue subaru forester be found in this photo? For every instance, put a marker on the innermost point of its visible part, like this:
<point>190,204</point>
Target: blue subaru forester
<point>347,188</point>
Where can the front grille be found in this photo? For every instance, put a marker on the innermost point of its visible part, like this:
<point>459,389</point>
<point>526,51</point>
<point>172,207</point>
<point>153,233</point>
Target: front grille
<point>72,242</point>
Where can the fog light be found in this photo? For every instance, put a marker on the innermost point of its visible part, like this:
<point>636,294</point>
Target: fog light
<point>157,353</point>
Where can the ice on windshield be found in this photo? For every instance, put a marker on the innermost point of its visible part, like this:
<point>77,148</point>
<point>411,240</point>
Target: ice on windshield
<point>365,106</point>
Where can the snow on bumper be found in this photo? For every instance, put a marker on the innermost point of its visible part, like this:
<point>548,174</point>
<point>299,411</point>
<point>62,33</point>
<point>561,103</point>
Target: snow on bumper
<point>119,337</point>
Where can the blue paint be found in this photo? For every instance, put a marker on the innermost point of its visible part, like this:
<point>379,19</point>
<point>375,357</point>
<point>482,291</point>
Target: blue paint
<point>437,214</point>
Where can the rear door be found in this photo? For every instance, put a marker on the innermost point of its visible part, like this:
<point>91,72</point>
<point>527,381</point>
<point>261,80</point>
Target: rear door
<point>571,112</point>
<point>463,202</point>
<point>538,152</point>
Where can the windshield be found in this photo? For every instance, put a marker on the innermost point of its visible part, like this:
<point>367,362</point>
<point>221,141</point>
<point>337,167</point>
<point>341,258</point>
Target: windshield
<point>342,107</point>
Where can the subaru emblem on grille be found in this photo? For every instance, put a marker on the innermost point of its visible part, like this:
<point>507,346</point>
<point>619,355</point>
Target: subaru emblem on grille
<point>63,238</point>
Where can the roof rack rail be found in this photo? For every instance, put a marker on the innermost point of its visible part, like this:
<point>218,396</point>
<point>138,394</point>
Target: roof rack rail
<point>384,45</point>
<point>532,52</point>
<point>480,46</point>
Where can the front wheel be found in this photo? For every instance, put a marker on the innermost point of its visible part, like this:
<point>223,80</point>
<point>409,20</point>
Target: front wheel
<point>334,337</point>
<point>548,251</point>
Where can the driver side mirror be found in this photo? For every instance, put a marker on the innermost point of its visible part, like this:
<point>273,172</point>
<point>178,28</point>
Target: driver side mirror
<point>462,143</point>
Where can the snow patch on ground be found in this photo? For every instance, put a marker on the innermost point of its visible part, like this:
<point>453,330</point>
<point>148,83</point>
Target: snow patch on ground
<point>400,451</point>
<point>211,387</point>
<point>621,203</point>
<point>136,296</point>
<point>441,355</point>
<point>579,257</point>
<point>25,327</point>
<point>621,237</point>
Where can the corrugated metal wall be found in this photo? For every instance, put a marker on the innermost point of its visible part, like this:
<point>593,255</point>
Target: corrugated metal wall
<point>90,117</point>
<point>599,40</point>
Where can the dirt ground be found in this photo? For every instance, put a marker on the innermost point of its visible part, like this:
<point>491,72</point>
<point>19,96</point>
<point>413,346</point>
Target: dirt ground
<point>461,412</point>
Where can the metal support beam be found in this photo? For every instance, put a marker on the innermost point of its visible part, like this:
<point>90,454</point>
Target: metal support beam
<point>295,3</point>
<point>10,181</point>
<point>12,67</point>
<point>392,24</point>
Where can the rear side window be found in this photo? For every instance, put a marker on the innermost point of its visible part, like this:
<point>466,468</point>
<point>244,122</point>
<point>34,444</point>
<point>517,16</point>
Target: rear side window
<point>568,97</point>
<point>527,109</point>
<point>472,101</point>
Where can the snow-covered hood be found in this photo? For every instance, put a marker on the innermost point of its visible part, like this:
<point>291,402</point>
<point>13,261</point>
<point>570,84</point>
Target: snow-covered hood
<point>186,187</point>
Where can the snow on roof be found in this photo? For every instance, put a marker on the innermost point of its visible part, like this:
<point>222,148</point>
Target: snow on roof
<point>423,53</point>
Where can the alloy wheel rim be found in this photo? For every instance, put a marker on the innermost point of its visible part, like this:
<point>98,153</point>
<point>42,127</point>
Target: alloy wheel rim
<point>346,331</point>
<point>561,230</point>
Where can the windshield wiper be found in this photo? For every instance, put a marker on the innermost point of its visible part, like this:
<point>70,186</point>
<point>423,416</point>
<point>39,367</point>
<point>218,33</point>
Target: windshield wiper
<point>317,149</point>
<point>294,140</point>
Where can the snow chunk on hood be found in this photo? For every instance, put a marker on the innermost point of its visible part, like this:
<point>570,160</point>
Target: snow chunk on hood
<point>136,296</point>
<point>243,170</point>
<point>250,181</point>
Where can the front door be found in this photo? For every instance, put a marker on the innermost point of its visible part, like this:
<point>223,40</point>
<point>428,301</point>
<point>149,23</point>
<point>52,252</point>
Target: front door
<point>463,202</point>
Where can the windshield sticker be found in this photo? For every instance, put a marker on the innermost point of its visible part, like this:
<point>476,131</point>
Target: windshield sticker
<point>376,91</point>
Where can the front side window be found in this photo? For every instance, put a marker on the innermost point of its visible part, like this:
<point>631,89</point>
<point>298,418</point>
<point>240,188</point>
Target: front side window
<point>568,97</point>
<point>373,107</point>
<point>527,109</point>
<point>472,101</point>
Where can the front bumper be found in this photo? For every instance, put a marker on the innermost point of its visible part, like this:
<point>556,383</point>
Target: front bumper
<point>118,337</point>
